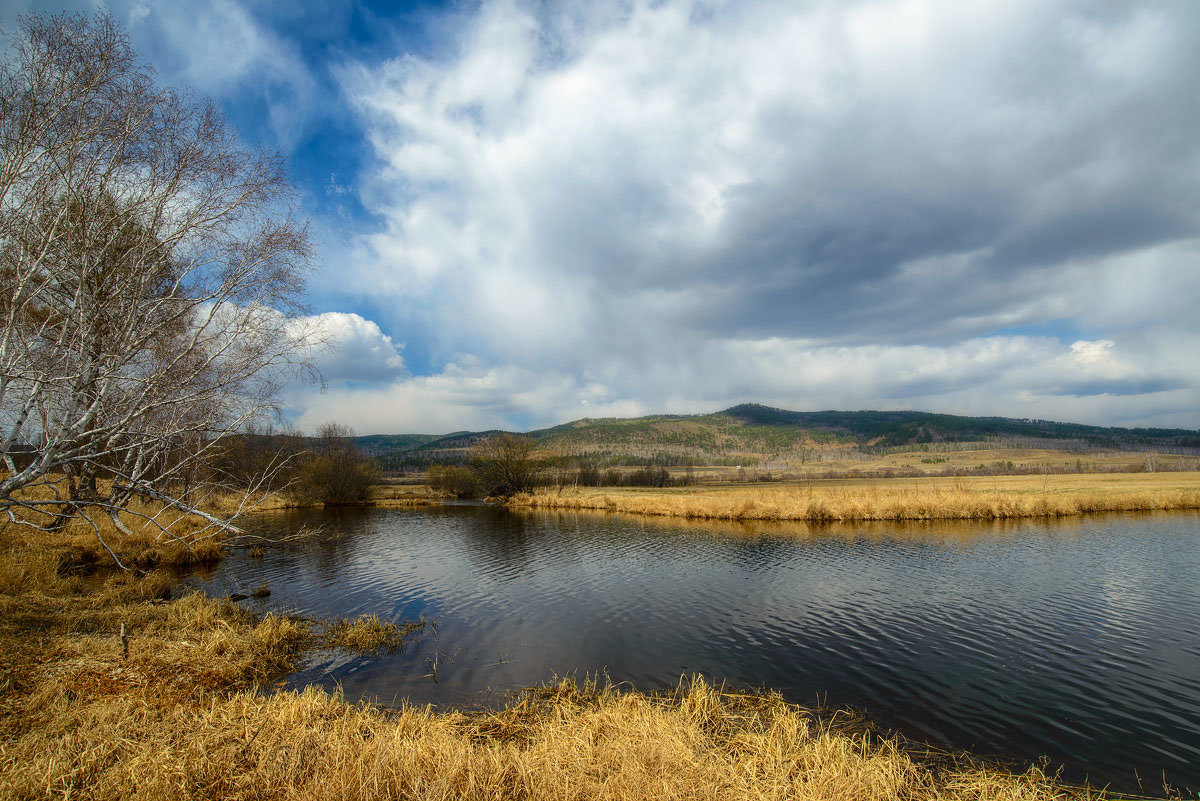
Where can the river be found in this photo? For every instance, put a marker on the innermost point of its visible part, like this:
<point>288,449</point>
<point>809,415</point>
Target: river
<point>1074,639</point>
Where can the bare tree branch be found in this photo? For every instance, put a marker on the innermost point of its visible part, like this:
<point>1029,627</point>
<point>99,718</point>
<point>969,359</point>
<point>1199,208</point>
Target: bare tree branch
<point>152,272</point>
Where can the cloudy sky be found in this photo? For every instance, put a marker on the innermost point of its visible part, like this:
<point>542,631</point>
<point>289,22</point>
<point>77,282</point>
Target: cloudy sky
<point>531,212</point>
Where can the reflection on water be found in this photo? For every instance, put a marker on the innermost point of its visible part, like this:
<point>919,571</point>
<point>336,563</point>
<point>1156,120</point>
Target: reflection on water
<point>1075,638</point>
<point>948,533</point>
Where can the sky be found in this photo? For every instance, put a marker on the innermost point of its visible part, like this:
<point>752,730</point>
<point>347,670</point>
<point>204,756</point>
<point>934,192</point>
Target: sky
<point>533,212</point>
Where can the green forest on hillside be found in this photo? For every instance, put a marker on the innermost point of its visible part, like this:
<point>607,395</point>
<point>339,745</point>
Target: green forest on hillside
<point>735,434</point>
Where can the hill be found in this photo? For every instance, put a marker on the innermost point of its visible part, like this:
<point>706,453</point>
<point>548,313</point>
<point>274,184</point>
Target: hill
<point>753,432</point>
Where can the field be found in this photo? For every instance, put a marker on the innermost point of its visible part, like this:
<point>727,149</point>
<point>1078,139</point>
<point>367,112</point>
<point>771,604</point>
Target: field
<point>969,497</point>
<point>1024,460</point>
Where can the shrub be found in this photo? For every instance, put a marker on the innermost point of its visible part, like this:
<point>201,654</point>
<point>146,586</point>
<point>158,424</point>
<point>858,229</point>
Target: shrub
<point>505,465</point>
<point>457,481</point>
<point>337,472</point>
<point>589,476</point>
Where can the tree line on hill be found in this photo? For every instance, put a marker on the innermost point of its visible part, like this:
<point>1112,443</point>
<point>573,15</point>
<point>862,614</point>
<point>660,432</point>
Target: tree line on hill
<point>725,438</point>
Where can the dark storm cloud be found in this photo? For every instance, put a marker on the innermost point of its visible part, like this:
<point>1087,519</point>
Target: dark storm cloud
<point>1082,389</point>
<point>1082,164</point>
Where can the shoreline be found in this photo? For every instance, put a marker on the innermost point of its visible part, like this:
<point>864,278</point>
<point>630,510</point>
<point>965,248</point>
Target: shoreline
<point>976,498</point>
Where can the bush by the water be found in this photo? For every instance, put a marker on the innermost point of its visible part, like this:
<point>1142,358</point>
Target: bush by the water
<point>506,464</point>
<point>336,472</point>
<point>460,482</point>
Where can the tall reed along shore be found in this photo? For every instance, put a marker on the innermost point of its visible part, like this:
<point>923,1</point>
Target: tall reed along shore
<point>964,498</point>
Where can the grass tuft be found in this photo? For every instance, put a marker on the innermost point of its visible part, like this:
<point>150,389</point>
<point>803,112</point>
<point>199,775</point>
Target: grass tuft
<point>368,633</point>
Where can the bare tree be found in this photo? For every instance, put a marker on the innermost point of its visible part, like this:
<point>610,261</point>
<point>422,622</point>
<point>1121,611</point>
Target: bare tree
<point>151,272</point>
<point>506,464</point>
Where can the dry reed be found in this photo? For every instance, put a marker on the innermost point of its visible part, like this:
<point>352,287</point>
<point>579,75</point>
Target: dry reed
<point>898,499</point>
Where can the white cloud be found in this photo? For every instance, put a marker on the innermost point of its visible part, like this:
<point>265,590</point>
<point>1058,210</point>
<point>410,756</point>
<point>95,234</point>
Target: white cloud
<point>353,350</point>
<point>736,155</point>
<point>830,204</point>
<point>1091,382</point>
<point>676,206</point>
<point>1091,354</point>
<point>221,49</point>
<point>463,396</point>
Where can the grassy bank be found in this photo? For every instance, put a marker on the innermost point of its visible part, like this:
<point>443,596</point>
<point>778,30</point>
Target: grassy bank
<point>384,494</point>
<point>564,742</point>
<point>176,712</point>
<point>976,498</point>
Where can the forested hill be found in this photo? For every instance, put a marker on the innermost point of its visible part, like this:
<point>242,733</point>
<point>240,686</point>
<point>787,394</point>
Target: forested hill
<point>755,429</point>
<point>906,428</point>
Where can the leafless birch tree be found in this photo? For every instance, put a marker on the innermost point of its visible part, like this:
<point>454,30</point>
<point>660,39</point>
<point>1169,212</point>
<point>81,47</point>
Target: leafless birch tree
<point>151,273</point>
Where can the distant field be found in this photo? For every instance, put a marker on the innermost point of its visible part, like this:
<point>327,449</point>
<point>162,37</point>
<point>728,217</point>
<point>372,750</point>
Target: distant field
<point>970,497</point>
<point>1020,458</point>
<point>968,464</point>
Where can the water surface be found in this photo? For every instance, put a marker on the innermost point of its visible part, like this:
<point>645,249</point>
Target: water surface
<point>1078,639</point>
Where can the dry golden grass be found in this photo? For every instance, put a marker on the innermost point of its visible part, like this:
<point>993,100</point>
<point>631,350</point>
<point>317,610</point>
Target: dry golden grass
<point>174,647</point>
<point>1022,459</point>
<point>368,633</point>
<point>382,494</point>
<point>78,551</point>
<point>389,493</point>
<point>228,503</point>
<point>978,498</point>
<point>159,536</point>
<point>564,742</point>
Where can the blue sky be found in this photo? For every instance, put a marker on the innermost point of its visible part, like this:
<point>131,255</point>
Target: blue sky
<point>533,212</point>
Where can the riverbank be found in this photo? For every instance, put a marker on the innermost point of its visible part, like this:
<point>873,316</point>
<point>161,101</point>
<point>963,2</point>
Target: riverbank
<point>179,715</point>
<point>964,498</point>
<point>383,494</point>
<point>565,742</point>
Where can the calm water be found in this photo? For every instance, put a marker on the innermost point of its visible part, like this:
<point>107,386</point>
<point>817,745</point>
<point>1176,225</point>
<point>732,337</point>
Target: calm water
<point>1079,640</point>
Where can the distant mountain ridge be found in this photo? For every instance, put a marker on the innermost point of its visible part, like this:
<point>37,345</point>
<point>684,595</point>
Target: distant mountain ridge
<point>752,429</point>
